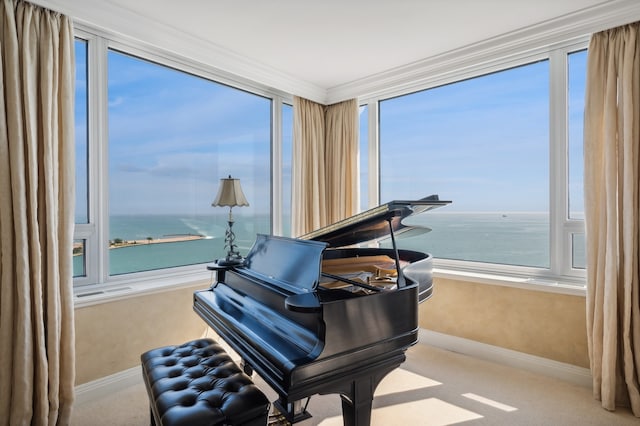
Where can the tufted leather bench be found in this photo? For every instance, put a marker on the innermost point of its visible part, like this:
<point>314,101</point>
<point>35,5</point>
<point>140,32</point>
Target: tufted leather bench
<point>198,384</point>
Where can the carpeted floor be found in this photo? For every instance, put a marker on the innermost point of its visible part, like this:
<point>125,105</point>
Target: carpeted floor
<point>433,387</point>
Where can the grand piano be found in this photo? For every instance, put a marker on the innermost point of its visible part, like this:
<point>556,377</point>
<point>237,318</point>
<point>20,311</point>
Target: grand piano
<point>327,312</point>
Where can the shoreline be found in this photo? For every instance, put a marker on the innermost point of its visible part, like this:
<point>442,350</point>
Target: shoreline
<point>78,247</point>
<point>116,243</point>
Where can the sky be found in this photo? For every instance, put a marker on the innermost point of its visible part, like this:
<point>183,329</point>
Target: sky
<point>482,143</point>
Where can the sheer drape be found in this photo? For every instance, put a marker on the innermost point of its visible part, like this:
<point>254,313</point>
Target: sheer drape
<point>324,175</point>
<point>612,215</point>
<point>37,177</point>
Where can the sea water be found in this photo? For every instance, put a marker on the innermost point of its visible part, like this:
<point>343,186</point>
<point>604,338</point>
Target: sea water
<point>504,238</point>
<point>140,233</point>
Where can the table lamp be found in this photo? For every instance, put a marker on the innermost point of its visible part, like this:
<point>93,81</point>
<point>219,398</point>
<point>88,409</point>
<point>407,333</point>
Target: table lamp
<point>230,194</point>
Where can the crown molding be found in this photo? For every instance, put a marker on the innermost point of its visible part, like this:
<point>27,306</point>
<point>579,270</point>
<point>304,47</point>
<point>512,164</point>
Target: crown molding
<point>127,27</point>
<point>130,28</point>
<point>482,57</point>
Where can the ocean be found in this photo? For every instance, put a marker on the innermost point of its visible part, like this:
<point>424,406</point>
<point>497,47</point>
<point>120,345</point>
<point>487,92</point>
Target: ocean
<point>505,238</point>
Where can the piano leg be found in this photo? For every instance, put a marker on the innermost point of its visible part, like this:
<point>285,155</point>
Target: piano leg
<point>356,411</point>
<point>357,397</point>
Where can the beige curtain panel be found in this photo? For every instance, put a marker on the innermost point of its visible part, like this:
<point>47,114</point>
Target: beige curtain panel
<point>308,201</point>
<point>612,215</point>
<point>37,177</point>
<point>341,147</point>
<point>325,164</point>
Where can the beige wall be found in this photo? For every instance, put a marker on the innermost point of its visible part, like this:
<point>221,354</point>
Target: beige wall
<point>111,336</point>
<point>549,325</point>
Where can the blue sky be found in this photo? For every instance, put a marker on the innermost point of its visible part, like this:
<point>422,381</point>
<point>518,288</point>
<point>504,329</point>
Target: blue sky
<point>482,143</point>
<point>173,136</point>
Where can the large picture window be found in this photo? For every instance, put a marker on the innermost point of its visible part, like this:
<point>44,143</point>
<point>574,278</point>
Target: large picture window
<point>154,136</point>
<point>172,136</point>
<point>484,144</point>
<point>490,144</point>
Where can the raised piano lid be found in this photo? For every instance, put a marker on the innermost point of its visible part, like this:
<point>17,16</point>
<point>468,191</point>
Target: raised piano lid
<point>373,224</point>
<point>279,258</point>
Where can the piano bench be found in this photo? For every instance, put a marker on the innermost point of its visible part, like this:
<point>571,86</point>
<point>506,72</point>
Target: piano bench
<point>198,384</point>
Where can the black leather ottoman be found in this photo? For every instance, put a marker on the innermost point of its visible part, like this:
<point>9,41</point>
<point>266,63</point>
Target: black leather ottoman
<point>198,384</point>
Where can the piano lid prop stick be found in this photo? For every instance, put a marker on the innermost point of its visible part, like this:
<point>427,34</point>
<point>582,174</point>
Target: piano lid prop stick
<point>400,280</point>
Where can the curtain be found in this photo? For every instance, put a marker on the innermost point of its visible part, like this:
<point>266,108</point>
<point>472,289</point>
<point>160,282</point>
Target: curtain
<point>37,180</point>
<point>612,215</point>
<point>342,154</point>
<point>325,164</point>
<point>308,169</point>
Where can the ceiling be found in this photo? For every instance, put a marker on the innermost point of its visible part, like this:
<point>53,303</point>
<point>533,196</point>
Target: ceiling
<point>329,43</point>
<point>333,42</point>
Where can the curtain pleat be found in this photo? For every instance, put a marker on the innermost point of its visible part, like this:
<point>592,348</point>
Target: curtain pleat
<point>325,164</point>
<point>342,154</point>
<point>36,216</point>
<point>308,202</point>
<point>612,215</point>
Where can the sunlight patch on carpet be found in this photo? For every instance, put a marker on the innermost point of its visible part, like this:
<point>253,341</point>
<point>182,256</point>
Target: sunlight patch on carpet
<point>400,380</point>
<point>490,402</point>
<point>426,412</point>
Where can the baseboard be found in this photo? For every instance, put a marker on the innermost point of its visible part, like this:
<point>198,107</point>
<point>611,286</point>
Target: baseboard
<point>108,385</point>
<point>550,368</point>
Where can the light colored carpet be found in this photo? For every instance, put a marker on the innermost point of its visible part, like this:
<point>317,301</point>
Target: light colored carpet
<point>433,387</point>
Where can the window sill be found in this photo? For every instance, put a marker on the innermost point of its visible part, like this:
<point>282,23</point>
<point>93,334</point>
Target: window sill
<point>149,283</point>
<point>573,288</point>
<point>142,284</point>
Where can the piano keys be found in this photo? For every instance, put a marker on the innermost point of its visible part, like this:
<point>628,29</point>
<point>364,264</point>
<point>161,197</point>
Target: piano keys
<point>322,314</point>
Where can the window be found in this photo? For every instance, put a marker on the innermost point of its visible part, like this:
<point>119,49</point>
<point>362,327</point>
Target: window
<point>154,136</point>
<point>484,144</point>
<point>488,144</point>
<point>577,65</point>
<point>172,136</point>
<point>81,150</point>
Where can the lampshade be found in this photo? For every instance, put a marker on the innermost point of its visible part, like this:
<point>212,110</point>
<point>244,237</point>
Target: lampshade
<point>230,194</point>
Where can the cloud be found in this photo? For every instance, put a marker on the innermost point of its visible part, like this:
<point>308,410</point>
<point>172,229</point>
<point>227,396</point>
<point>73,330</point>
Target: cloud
<point>117,101</point>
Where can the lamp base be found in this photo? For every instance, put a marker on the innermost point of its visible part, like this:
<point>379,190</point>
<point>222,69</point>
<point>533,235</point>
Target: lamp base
<point>230,261</point>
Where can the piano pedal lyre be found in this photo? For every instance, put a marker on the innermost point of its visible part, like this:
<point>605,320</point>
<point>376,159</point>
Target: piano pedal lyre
<point>277,419</point>
<point>293,412</point>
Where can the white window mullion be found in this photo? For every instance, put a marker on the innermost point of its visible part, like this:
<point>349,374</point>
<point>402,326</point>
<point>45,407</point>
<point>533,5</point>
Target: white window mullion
<point>99,159</point>
<point>560,248</point>
<point>276,165</point>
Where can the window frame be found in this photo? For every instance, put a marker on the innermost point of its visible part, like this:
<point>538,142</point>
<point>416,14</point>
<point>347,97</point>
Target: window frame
<point>561,273</point>
<point>96,231</point>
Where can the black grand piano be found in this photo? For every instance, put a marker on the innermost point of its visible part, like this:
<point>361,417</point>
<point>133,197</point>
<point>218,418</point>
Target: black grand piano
<point>318,315</point>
